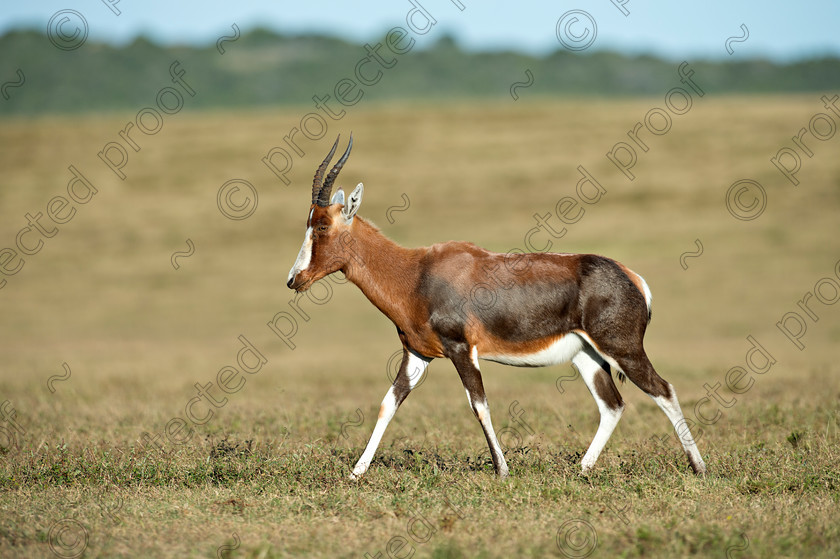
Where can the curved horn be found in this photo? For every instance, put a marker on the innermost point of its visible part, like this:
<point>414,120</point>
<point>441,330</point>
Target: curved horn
<point>319,174</point>
<point>324,196</point>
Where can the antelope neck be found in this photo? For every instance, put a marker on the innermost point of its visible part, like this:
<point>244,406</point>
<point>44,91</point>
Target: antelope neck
<point>384,271</point>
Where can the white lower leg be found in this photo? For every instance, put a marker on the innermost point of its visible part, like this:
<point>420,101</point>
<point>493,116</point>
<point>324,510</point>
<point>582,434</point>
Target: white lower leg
<point>671,407</point>
<point>609,419</point>
<point>411,371</point>
<point>482,412</point>
<point>588,369</point>
<point>386,413</point>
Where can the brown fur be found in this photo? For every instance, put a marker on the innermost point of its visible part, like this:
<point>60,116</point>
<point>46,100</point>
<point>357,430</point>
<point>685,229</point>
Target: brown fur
<point>451,297</point>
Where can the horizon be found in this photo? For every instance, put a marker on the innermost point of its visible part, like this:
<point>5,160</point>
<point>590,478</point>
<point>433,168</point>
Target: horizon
<point>781,34</point>
<point>443,36</point>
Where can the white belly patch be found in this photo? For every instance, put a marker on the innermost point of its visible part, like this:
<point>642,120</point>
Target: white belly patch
<point>560,351</point>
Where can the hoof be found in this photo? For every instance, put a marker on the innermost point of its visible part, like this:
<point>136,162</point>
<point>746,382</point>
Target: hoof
<point>356,473</point>
<point>697,465</point>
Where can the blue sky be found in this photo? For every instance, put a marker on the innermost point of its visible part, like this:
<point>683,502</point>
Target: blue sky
<point>677,29</point>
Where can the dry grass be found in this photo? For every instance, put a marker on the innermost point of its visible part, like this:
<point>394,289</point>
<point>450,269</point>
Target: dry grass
<point>268,469</point>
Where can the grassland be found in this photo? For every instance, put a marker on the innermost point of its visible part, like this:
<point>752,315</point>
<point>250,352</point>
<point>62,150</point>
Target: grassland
<point>266,475</point>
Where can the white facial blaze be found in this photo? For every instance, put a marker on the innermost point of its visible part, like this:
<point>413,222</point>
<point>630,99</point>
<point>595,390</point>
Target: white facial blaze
<point>304,256</point>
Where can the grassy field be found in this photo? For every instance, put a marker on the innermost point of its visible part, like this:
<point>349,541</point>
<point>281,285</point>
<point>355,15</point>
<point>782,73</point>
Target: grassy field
<point>104,340</point>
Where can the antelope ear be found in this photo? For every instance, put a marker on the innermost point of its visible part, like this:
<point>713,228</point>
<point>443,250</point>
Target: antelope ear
<point>338,197</point>
<point>353,202</point>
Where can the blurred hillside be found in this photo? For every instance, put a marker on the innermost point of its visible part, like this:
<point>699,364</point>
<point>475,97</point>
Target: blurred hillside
<point>262,68</point>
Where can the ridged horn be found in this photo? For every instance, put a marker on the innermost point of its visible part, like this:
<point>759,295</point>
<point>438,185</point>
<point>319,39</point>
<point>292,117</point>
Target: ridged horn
<point>324,195</point>
<point>319,174</point>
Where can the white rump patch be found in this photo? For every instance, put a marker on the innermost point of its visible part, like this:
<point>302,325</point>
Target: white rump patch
<point>560,351</point>
<point>648,294</point>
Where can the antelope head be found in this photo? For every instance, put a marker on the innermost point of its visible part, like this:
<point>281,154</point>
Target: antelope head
<point>326,243</point>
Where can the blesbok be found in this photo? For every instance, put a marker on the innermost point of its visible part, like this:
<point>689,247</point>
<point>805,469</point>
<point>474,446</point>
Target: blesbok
<point>459,301</point>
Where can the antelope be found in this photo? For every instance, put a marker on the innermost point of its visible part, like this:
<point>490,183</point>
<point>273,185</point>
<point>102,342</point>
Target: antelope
<point>457,301</point>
